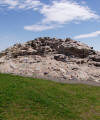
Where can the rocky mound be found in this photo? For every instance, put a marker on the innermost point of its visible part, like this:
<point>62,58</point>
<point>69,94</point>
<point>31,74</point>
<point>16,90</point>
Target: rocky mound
<point>55,59</point>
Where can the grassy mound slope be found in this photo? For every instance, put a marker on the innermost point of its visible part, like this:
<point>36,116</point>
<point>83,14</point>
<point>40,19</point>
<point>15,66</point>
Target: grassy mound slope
<point>34,99</point>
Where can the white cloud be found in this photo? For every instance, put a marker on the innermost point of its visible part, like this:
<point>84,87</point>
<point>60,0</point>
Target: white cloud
<point>57,13</point>
<point>66,11</point>
<point>20,4</point>
<point>30,4</point>
<point>93,34</point>
<point>9,3</point>
<point>39,27</point>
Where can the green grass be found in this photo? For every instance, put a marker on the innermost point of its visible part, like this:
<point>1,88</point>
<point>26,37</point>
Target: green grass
<point>24,98</point>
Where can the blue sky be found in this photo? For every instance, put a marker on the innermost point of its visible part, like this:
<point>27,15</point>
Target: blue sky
<point>23,20</point>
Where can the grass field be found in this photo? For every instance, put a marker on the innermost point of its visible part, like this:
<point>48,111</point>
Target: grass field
<point>34,99</point>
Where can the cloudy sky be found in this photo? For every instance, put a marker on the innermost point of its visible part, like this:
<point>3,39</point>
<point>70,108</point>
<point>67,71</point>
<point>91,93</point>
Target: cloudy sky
<point>22,20</point>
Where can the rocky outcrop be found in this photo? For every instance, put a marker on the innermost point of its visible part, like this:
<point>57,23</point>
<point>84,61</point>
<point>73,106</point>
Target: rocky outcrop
<point>43,46</point>
<point>51,58</point>
<point>96,58</point>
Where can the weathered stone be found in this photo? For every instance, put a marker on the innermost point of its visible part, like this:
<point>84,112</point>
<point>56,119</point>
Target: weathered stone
<point>60,57</point>
<point>45,73</point>
<point>96,58</point>
<point>97,64</point>
<point>52,58</point>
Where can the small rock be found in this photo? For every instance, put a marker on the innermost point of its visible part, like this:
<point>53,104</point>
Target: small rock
<point>60,57</point>
<point>45,73</point>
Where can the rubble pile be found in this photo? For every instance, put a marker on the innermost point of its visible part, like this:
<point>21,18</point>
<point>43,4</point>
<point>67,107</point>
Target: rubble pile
<point>51,58</point>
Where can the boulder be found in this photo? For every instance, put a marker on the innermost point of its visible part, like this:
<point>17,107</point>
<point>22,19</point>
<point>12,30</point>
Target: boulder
<point>96,58</point>
<point>60,57</point>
